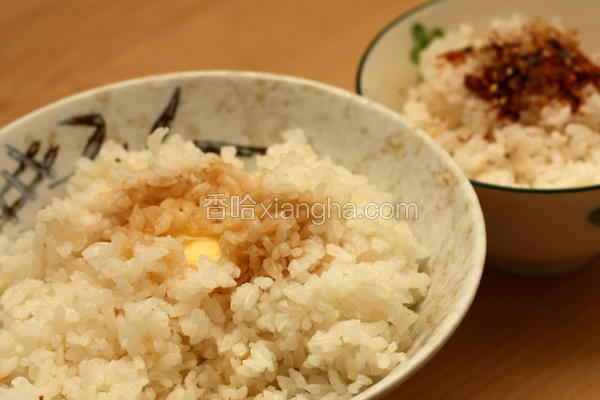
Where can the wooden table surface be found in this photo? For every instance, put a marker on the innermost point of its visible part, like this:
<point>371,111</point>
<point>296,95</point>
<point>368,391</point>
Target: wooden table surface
<point>522,338</point>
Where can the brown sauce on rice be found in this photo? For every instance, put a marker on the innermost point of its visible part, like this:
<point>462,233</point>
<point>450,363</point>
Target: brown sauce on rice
<point>520,75</point>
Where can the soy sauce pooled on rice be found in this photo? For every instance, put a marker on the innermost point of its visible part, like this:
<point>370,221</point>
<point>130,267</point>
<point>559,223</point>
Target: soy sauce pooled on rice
<point>518,108</point>
<point>126,289</point>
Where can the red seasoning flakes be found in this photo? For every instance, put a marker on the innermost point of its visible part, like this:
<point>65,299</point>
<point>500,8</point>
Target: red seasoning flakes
<point>458,57</point>
<point>519,75</point>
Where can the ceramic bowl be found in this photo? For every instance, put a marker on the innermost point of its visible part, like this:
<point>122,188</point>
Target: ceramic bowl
<point>529,231</point>
<point>251,110</point>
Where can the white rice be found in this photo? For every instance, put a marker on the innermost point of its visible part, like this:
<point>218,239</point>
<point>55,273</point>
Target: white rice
<point>562,150</point>
<point>99,303</point>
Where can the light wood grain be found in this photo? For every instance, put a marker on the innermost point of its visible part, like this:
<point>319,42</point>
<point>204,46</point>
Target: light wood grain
<point>522,338</point>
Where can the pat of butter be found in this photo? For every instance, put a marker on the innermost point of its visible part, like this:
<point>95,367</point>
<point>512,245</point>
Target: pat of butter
<point>195,247</point>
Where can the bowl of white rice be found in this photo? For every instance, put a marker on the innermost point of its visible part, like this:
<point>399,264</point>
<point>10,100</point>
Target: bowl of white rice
<point>227,235</point>
<point>511,90</point>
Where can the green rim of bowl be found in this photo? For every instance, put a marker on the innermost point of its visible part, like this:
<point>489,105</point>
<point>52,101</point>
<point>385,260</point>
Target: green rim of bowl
<point>476,183</point>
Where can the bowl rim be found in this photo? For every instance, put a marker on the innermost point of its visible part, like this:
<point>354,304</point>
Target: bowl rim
<point>358,87</point>
<point>471,280</point>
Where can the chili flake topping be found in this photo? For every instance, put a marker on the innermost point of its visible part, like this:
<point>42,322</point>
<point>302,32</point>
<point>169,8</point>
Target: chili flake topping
<point>524,73</point>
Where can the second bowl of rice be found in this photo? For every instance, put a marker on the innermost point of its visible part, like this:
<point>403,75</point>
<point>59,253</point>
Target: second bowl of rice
<point>512,91</point>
